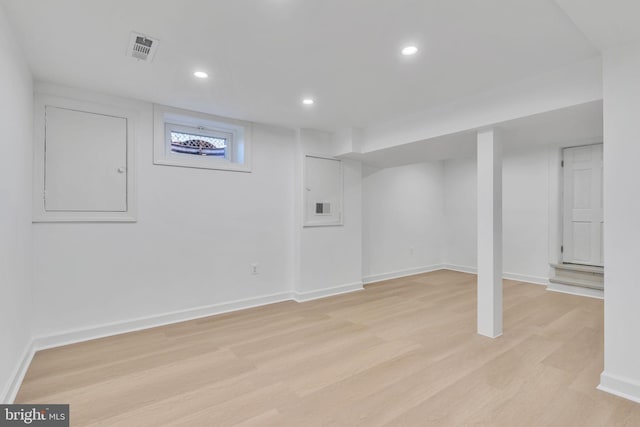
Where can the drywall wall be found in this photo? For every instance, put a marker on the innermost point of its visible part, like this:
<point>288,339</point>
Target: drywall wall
<point>197,234</point>
<point>402,219</point>
<point>525,205</point>
<point>16,114</point>
<point>460,213</point>
<point>622,209</point>
<point>327,259</point>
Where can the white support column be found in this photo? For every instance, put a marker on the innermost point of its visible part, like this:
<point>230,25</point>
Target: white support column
<point>489,234</point>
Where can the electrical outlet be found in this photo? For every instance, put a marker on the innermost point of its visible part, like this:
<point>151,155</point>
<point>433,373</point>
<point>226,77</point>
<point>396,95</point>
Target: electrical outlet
<point>254,269</point>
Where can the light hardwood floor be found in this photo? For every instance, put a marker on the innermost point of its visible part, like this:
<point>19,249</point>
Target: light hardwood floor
<point>400,353</point>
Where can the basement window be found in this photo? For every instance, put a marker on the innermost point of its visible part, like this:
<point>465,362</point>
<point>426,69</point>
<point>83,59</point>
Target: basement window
<point>197,140</point>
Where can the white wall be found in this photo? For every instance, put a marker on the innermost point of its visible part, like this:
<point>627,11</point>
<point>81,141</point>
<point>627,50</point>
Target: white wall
<point>198,232</point>
<point>432,208</point>
<point>622,210</point>
<point>16,113</point>
<point>402,222</point>
<point>525,204</point>
<point>327,257</point>
<point>460,213</point>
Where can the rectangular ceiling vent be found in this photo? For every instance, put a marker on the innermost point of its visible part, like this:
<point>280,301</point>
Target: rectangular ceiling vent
<point>142,47</point>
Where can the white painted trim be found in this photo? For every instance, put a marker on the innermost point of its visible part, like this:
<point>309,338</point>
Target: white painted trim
<point>101,331</point>
<point>10,391</point>
<point>575,290</point>
<point>327,292</point>
<point>536,280</point>
<point>460,268</point>
<point>43,100</point>
<point>400,273</point>
<point>619,386</point>
<point>490,336</point>
<point>241,131</point>
<point>80,335</point>
<point>556,199</point>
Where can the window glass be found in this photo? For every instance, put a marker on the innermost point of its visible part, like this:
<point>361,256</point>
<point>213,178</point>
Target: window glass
<point>202,145</point>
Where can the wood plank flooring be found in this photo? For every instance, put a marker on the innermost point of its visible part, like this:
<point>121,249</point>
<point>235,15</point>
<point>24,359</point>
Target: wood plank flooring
<point>400,353</point>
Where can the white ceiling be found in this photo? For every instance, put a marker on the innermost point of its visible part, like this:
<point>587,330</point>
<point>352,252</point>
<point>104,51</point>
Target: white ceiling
<point>605,22</point>
<point>580,124</point>
<point>264,55</point>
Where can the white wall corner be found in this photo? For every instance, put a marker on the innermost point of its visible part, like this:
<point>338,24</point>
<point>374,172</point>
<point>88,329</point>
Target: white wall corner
<point>619,386</point>
<point>10,390</point>
<point>348,141</point>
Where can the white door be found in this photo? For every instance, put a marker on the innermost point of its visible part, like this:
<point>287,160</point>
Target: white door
<point>583,219</point>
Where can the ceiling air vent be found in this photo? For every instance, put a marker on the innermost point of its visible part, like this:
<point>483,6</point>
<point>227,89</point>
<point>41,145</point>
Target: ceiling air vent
<point>142,47</point>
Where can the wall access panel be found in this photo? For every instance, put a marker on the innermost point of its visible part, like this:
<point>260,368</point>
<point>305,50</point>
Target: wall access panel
<point>83,162</point>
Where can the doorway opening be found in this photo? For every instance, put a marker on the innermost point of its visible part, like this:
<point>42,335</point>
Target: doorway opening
<point>582,218</point>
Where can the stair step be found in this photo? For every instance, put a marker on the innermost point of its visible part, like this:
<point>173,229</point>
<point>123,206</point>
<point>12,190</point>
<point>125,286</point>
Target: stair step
<point>577,282</point>
<point>579,275</point>
<point>578,267</point>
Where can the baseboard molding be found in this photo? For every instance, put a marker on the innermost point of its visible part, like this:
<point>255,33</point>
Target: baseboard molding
<point>460,268</point>
<point>622,387</point>
<point>11,389</point>
<point>106,330</point>
<point>401,273</point>
<point>327,292</point>
<point>575,290</point>
<point>536,280</point>
<point>86,334</point>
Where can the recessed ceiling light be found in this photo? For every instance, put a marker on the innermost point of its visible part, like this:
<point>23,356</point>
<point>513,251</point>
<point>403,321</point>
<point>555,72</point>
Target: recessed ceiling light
<point>409,50</point>
<point>307,101</point>
<point>201,74</point>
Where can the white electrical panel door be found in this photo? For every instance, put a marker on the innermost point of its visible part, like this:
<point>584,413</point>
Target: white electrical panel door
<point>85,161</point>
<point>583,214</point>
<point>323,191</point>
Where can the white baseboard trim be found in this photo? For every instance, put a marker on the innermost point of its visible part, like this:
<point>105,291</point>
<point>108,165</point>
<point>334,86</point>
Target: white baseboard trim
<point>401,273</point>
<point>11,389</point>
<point>327,292</point>
<point>536,280</point>
<point>622,387</point>
<point>86,334</point>
<point>575,290</point>
<point>460,268</point>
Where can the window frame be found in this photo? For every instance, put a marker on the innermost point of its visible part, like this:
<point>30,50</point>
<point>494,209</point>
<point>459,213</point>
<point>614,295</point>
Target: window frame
<point>238,134</point>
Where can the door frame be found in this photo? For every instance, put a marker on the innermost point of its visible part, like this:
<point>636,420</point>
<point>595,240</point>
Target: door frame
<point>556,195</point>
